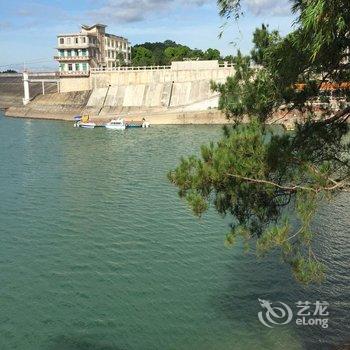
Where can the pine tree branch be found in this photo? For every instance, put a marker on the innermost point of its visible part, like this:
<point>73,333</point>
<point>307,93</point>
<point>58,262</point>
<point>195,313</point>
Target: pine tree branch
<point>293,188</point>
<point>341,116</point>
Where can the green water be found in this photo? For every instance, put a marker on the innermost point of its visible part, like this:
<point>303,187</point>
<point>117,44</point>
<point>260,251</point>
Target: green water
<point>97,252</point>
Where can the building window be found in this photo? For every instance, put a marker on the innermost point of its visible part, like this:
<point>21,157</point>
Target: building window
<point>84,40</point>
<point>84,66</point>
<point>83,52</point>
<point>62,67</point>
<point>70,67</point>
<point>77,66</point>
<point>68,40</point>
<point>76,40</point>
<point>61,41</point>
<point>69,53</point>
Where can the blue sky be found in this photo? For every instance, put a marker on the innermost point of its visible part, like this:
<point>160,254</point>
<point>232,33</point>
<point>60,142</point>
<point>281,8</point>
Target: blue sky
<point>28,29</point>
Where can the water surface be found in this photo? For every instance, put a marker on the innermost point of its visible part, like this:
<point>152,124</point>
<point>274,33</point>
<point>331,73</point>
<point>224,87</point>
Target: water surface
<point>97,251</point>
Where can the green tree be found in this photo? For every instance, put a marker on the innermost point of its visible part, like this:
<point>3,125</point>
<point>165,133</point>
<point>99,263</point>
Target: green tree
<point>196,54</point>
<point>177,53</point>
<point>212,54</point>
<point>163,53</point>
<point>142,56</point>
<point>267,180</point>
<point>262,40</point>
<point>159,57</point>
<point>229,58</point>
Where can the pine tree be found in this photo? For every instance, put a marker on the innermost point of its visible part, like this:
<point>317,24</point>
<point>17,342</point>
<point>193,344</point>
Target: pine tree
<point>265,179</point>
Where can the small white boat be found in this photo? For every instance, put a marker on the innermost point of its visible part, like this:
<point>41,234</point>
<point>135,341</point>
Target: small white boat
<point>116,124</point>
<point>146,124</point>
<point>87,125</point>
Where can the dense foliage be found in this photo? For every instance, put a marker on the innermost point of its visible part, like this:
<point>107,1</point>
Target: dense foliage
<point>159,54</point>
<point>7,71</point>
<point>269,182</point>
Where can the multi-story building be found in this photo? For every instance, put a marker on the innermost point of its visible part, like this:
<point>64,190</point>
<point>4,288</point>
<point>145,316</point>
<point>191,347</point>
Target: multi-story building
<point>91,48</point>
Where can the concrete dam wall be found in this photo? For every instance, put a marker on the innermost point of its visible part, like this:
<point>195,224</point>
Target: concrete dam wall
<point>156,95</point>
<point>176,74</point>
<point>53,106</point>
<point>177,94</point>
<point>102,79</point>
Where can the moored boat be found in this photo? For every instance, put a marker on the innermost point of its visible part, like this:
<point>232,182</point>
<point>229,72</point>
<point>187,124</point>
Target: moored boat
<point>88,125</point>
<point>137,123</point>
<point>116,124</point>
<point>84,122</point>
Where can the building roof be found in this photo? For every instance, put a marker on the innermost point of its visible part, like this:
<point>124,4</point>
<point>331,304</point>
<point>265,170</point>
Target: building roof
<point>77,34</point>
<point>115,36</point>
<point>84,26</point>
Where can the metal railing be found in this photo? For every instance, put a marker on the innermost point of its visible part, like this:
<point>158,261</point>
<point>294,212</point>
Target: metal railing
<point>71,58</point>
<point>74,73</point>
<point>131,68</point>
<point>226,65</point>
<point>138,68</point>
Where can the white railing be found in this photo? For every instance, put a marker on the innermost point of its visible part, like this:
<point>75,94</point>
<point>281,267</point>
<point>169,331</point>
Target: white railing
<point>30,73</point>
<point>138,68</point>
<point>226,65</point>
<point>74,73</point>
<point>131,68</point>
<point>43,74</point>
<point>71,58</point>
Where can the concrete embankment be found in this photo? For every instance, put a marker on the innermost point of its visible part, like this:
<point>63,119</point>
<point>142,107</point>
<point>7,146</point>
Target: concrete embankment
<point>66,105</point>
<point>11,90</point>
<point>180,94</point>
<point>61,106</point>
<point>159,103</point>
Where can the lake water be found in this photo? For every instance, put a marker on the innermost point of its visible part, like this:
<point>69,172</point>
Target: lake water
<point>98,252</point>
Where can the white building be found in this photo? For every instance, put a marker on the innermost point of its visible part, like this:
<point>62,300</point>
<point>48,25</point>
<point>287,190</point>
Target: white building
<point>91,48</point>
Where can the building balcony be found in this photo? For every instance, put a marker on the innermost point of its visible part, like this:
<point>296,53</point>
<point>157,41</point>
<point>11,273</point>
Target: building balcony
<point>74,73</point>
<point>76,46</point>
<point>72,58</point>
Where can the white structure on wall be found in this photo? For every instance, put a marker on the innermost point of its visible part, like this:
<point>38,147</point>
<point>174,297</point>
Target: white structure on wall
<point>91,48</point>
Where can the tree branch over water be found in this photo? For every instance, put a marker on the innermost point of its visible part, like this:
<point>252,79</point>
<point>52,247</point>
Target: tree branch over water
<point>266,179</point>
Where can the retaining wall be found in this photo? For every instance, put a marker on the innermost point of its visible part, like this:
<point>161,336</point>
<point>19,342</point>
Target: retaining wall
<point>136,77</point>
<point>151,95</point>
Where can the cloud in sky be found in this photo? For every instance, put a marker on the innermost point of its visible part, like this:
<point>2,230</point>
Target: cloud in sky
<point>137,10</point>
<point>28,29</point>
<point>5,25</point>
<point>269,7</point>
<point>126,11</point>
